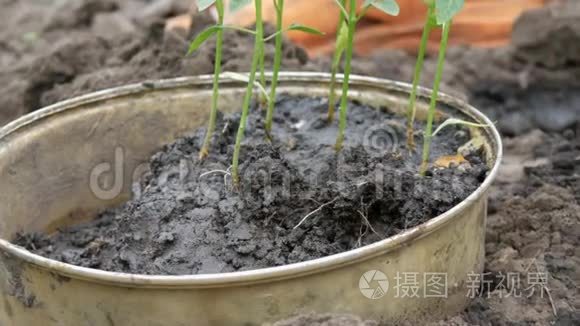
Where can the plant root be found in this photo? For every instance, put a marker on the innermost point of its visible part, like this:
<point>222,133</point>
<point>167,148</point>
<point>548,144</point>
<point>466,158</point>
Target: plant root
<point>226,174</point>
<point>314,212</point>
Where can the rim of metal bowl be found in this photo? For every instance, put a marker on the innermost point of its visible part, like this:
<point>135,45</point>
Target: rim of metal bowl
<point>258,275</point>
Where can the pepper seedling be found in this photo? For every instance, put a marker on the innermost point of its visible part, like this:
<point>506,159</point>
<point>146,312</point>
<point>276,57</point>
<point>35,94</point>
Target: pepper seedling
<point>430,24</point>
<point>339,47</point>
<point>203,36</point>
<point>258,42</point>
<point>203,5</point>
<point>351,19</point>
<point>445,10</point>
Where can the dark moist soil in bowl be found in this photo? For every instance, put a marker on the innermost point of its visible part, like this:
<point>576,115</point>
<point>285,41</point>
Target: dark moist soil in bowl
<point>187,219</point>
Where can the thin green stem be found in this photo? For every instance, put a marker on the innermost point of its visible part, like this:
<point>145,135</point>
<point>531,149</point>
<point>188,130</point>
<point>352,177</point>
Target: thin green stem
<point>434,96</point>
<point>332,93</point>
<point>412,110</point>
<point>204,151</point>
<point>259,38</point>
<point>277,63</point>
<point>335,65</point>
<point>347,68</point>
<point>261,63</point>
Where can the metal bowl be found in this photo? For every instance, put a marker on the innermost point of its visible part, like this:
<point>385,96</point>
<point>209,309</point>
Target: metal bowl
<point>52,160</point>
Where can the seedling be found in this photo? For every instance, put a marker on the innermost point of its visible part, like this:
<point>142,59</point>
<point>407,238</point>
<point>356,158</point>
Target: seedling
<point>445,10</point>
<point>203,5</point>
<point>430,24</point>
<point>350,17</point>
<point>196,43</point>
<point>258,42</point>
<point>341,40</point>
<point>261,63</point>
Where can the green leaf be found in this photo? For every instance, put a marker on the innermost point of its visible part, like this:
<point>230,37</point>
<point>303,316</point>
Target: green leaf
<point>204,4</point>
<point>447,9</point>
<point>305,29</point>
<point>202,37</point>
<point>295,27</point>
<point>236,5</point>
<point>454,121</point>
<point>390,7</point>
